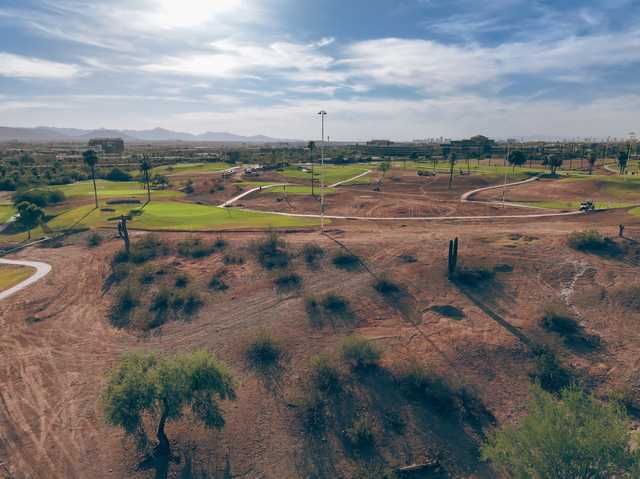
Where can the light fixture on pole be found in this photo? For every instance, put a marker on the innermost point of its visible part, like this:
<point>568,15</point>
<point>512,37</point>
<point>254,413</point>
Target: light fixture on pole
<point>322,114</point>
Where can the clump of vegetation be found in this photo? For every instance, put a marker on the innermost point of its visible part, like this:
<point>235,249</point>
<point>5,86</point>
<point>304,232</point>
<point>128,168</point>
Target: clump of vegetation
<point>137,389</point>
<point>271,251</point>
<point>557,318</point>
<point>448,310</point>
<point>94,240</point>
<point>591,241</point>
<point>360,353</point>
<point>312,253</point>
<point>325,377</point>
<point>627,296</point>
<point>408,258</point>
<point>146,249</point>
<point>264,352</point>
<point>124,302</point>
<point>217,283</point>
<point>335,304</point>
<point>549,373</point>
<point>119,272</point>
<point>576,435</point>
<point>288,282</point>
<point>387,288</point>
<point>419,384</point>
<point>233,259</point>
<point>195,248</point>
<point>361,433</point>
<point>347,261</point>
<point>40,198</point>
<point>220,244</point>
<point>182,280</point>
<point>147,275</point>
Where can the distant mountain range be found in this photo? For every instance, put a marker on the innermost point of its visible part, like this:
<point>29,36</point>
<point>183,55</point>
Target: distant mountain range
<point>44,134</point>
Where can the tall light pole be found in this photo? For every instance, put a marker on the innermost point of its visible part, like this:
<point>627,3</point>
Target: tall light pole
<point>322,114</point>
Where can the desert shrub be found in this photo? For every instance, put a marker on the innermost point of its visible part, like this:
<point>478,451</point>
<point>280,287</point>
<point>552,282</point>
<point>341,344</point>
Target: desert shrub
<point>32,319</point>
<point>360,353</point>
<point>549,373</point>
<point>312,253</point>
<point>418,384</point>
<point>335,304</point>
<point>182,280</point>
<point>476,277</point>
<point>119,272</point>
<point>360,434</point>
<point>220,244</point>
<point>233,259</point>
<point>271,251</point>
<point>387,288</point>
<point>627,296</point>
<point>188,300</point>
<point>147,275</point>
<point>94,240</point>
<point>288,282</point>
<point>124,302</point>
<point>324,376</point>
<point>347,261</point>
<point>408,258</point>
<point>161,301</point>
<point>313,310</point>
<point>557,318</point>
<point>264,352</point>
<point>589,240</point>
<point>195,248</point>
<point>448,310</point>
<point>217,284</point>
<point>146,249</point>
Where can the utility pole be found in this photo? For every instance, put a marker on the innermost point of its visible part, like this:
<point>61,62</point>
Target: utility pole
<point>322,114</point>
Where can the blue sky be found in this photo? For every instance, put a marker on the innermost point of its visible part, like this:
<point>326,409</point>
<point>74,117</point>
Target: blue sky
<point>400,69</point>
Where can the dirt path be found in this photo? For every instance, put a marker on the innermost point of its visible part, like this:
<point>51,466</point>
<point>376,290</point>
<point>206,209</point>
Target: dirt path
<point>344,182</point>
<point>42,269</point>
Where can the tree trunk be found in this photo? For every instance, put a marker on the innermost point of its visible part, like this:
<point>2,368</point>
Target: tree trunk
<point>95,189</point>
<point>146,174</point>
<point>164,448</point>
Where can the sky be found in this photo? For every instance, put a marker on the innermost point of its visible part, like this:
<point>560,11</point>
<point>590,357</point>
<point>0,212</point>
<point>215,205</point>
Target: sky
<point>397,69</point>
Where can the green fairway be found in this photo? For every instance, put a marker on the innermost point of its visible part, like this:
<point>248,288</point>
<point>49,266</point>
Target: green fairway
<point>112,189</point>
<point>189,168</point>
<point>332,174</point>
<point>621,187</point>
<point>11,275</point>
<point>6,211</point>
<point>193,217</point>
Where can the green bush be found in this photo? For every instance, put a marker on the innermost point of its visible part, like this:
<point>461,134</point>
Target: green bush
<point>335,304</point>
<point>418,384</point>
<point>448,310</point>
<point>549,373</point>
<point>387,288</point>
<point>161,301</point>
<point>288,282</point>
<point>39,198</point>
<point>347,261</point>
<point>360,353</point>
<point>264,352</point>
<point>124,302</point>
<point>360,434</point>
<point>324,377</point>
<point>195,248</point>
<point>312,253</point>
<point>589,240</point>
<point>182,280</point>
<point>116,174</point>
<point>557,318</point>
<point>94,240</point>
<point>271,252</point>
<point>147,275</point>
<point>233,259</point>
<point>477,277</point>
<point>217,284</point>
<point>146,249</point>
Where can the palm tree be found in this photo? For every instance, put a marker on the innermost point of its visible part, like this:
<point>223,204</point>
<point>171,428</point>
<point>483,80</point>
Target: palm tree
<point>91,160</point>
<point>145,167</point>
<point>383,167</point>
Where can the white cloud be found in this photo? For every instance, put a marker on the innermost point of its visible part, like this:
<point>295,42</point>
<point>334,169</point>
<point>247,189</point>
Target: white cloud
<point>231,59</point>
<point>27,67</point>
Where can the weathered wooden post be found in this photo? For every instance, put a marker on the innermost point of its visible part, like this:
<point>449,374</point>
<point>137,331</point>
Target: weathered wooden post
<point>453,257</point>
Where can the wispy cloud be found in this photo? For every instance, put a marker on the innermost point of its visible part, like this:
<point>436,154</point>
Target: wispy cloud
<point>18,66</point>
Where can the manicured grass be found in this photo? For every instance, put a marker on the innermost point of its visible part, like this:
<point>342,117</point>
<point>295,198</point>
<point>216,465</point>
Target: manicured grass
<point>332,174</point>
<point>112,189</point>
<point>6,211</point>
<point>189,168</point>
<point>193,217</point>
<point>12,275</point>
<point>635,211</point>
<point>622,187</point>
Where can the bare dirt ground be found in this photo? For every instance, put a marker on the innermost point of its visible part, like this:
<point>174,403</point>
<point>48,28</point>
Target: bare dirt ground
<point>52,369</point>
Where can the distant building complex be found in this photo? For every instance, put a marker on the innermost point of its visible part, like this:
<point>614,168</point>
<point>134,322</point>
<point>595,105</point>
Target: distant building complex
<point>107,145</point>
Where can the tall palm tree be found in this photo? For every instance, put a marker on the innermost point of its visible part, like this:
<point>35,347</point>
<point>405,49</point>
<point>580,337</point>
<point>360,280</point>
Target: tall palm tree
<point>91,160</point>
<point>145,167</point>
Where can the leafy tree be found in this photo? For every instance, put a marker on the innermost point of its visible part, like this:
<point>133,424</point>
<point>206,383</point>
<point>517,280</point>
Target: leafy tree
<point>234,156</point>
<point>145,167</point>
<point>384,166</point>
<point>116,174</point>
<point>592,160</point>
<point>574,437</point>
<point>452,163</point>
<point>143,385</point>
<point>623,160</point>
<point>30,216</point>
<point>517,158</point>
<point>553,162</point>
<point>91,160</point>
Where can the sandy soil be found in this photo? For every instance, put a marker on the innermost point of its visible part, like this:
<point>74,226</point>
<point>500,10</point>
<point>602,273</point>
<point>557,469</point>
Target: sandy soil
<point>52,370</point>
